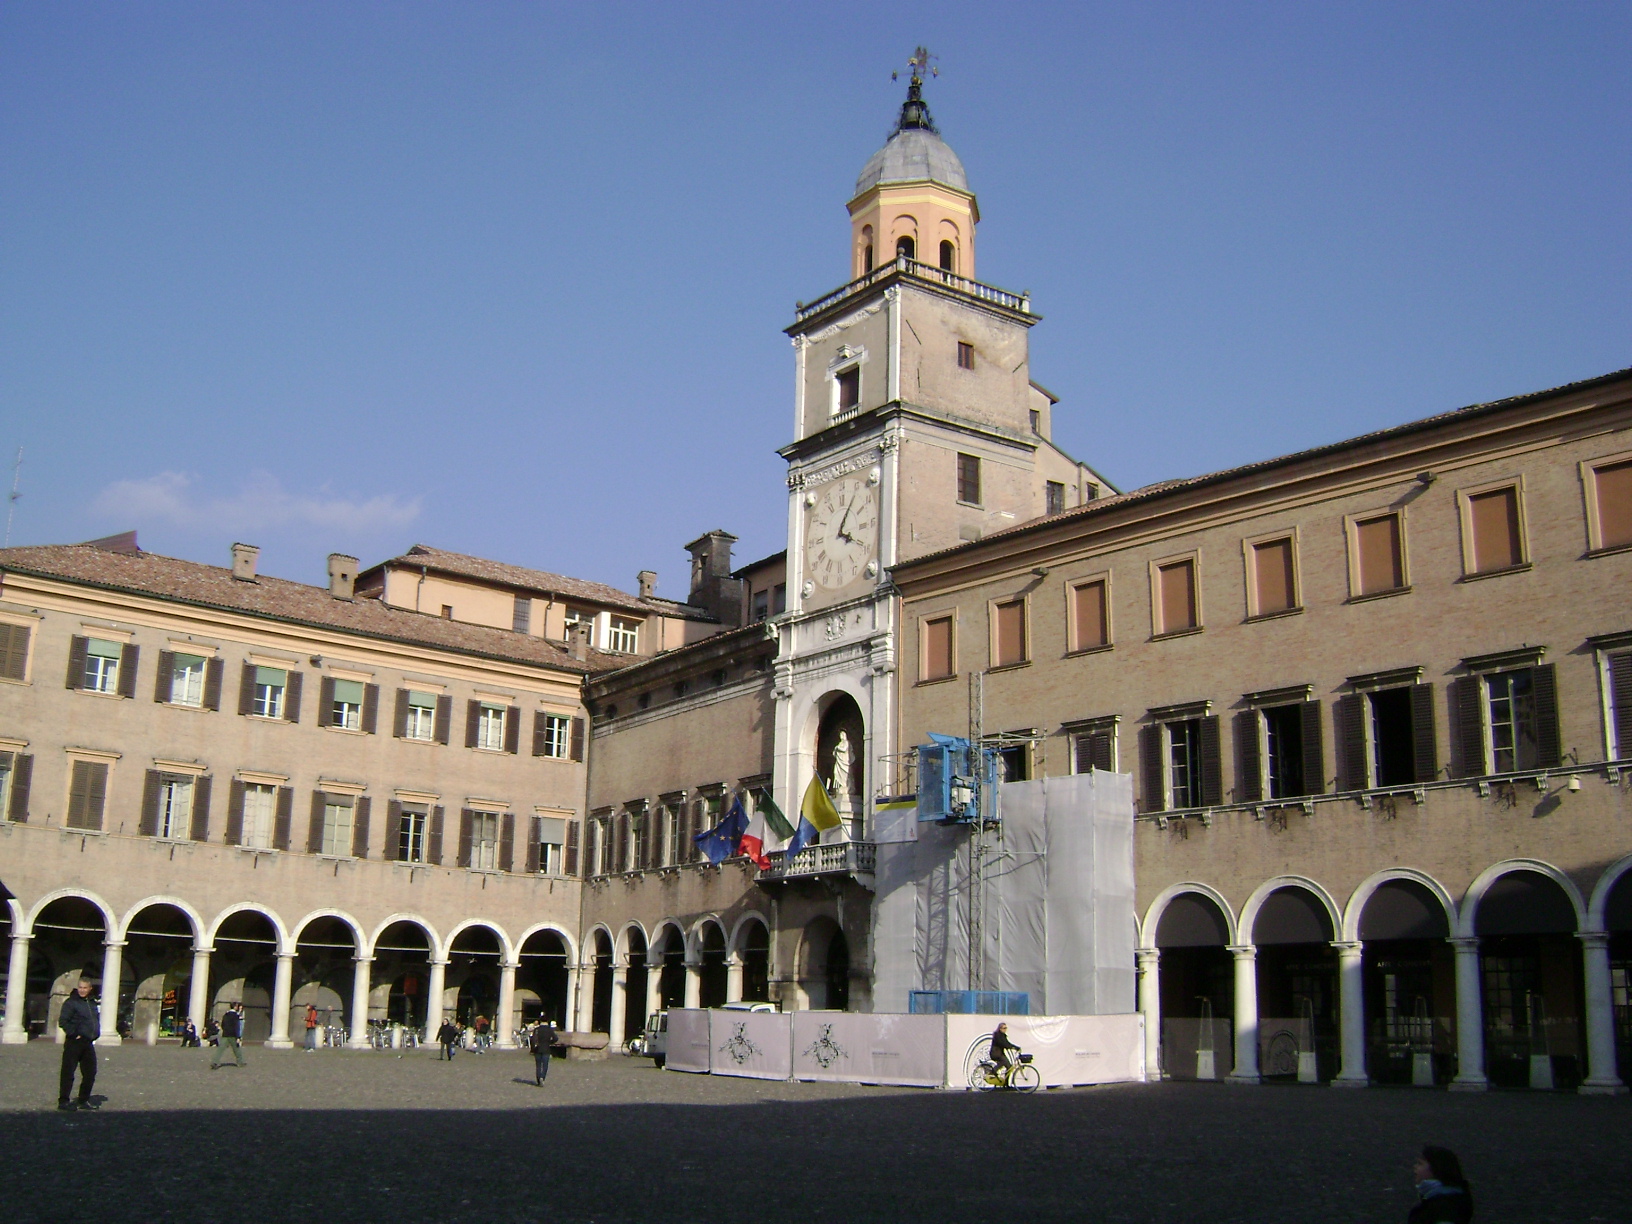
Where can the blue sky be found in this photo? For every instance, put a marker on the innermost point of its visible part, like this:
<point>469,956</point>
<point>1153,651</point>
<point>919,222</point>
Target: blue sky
<point>510,279</point>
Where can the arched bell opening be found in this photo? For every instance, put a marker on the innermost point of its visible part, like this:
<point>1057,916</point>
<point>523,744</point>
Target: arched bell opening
<point>1197,989</point>
<point>906,247</point>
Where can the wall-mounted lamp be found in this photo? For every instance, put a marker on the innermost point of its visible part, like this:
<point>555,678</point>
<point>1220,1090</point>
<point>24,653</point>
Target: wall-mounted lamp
<point>1575,783</point>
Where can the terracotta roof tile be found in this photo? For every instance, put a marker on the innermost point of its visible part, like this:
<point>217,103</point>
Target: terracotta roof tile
<point>463,566</point>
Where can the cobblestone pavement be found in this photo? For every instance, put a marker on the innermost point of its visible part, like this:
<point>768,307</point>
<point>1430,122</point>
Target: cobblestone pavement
<point>337,1137</point>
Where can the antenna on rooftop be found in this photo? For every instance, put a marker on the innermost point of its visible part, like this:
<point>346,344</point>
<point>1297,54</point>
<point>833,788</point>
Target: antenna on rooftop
<point>11,502</point>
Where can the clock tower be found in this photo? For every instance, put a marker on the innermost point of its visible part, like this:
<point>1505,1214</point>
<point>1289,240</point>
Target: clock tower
<point>916,427</point>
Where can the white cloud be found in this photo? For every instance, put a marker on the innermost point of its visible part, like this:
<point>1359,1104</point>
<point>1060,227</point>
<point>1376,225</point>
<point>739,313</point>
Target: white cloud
<point>261,501</point>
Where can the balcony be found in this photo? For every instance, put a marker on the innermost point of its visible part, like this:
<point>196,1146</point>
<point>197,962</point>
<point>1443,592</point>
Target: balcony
<point>851,858</point>
<point>1018,302</point>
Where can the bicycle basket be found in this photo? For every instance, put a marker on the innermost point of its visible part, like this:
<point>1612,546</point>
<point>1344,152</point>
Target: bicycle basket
<point>1025,1058</point>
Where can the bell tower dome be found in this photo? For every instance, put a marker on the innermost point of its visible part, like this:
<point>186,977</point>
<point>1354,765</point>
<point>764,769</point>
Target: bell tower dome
<point>913,198</point>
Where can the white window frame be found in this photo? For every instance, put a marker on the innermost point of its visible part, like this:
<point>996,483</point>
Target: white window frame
<point>268,699</point>
<point>490,728</point>
<point>1192,784</point>
<point>421,721</point>
<point>347,715</point>
<point>557,735</point>
<point>552,854</point>
<point>175,807</point>
<point>1487,717</point>
<point>187,681</point>
<point>622,635</point>
<point>413,825</point>
<point>259,827</point>
<point>339,818</point>
<point>484,851</point>
<point>101,671</point>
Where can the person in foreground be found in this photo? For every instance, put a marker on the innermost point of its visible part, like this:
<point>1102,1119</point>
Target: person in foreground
<point>80,1026</point>
<point>541,1041</point>
<point>1443,1194</point>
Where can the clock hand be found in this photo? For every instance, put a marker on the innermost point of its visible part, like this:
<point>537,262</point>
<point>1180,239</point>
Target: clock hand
<point>844,521</point>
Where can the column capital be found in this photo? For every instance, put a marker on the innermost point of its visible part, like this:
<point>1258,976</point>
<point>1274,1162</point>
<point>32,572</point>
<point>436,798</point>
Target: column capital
<point>1147,956</point>
<point>21,936</point>
<point>1464,943</point>
<point>1352,946</point>
<point>113,943</point>
<point>1593,939</point>
<point>292,955</point>
<point>362,960</point>
<point>203,949</point>
<point>433,961</point>
<point>1242,951</point>
<point>512,966</point>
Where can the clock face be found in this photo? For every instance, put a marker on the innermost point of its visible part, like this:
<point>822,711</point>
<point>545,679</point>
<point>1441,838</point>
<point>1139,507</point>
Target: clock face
<point>841,533</point>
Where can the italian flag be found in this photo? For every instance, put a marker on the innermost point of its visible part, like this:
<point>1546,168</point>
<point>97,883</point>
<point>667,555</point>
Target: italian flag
<point>766,825</point>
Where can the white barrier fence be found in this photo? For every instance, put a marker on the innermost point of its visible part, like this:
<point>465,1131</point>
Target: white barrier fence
<point>890,1048</point>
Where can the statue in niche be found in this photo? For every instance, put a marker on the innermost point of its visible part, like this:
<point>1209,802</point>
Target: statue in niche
<point>841,763</point>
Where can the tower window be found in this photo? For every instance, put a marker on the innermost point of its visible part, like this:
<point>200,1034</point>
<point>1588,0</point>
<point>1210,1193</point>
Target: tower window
<point>867,259</point>
<point>1054,495</point>
<point>906,248</point>
<point>969,479</point>
<point>949,256</point>
<point>849,388</point>
<point>966,356</point>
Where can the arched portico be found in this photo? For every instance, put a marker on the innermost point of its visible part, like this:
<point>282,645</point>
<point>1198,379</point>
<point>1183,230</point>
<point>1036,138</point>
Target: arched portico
<point>711,971</point>
<point>481,978</point>
<point>603,970</point>
<point>71,934</point>
<point>751,954</point>
<point>408,976</point>
<point>1402,920</point>
<point>159,934</point>
<point>543,980</point>
<point>250,958</point>
<point>1187,990</point>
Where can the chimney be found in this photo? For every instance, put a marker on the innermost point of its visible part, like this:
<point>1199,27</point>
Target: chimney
<point>712,587</point>
<point>648,583</point>
<point>342,575</point>
<point>578,639</point>
<point>244,557</point>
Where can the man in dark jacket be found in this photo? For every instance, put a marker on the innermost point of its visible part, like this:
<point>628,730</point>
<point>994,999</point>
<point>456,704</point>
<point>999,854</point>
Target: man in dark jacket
<point>448,1037</point>
<point>541,1041</point>
<point>81,1026</point>
<point>232,1031</point>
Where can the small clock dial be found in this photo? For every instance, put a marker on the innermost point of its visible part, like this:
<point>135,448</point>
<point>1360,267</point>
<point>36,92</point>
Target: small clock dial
<point>841,533</point>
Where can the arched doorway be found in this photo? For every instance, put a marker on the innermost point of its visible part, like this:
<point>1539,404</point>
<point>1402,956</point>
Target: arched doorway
<point>402,961</point>
<point>243,968</point>
<point>713,972</point>
<point>68,944</point>
<point>824,963</point>
<point>1618,922</point>
<point>634,985</point>
<point>1530,979</point>
<point>1409,981</point>
<point>838,972</point>
<point>541,981</point>
<point>600,998</point>
<point>670,956</point>
<point>158,959</point>
<point>841,738</point>
<point>323,974</point>
<point>1197,981</point>
<point>1297,986</point>
<point>755,954</point>
<point>473,971</point>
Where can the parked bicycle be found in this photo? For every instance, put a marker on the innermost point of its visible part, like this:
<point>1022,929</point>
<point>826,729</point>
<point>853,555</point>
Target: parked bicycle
<point>1020,1075</point>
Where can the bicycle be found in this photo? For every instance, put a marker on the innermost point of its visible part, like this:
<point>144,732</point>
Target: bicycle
<point>1020,1075</point>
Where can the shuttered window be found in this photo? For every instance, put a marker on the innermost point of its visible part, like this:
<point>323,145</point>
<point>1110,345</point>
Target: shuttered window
<point>336,838</point>
<point>186,678</point>
<point>937,648</point>
<point>1378,554</point>
<point>16,784</point>
<point>14,652</point>
<point>1010,633</point>
<point>268,690</point>
<point>1493,520</point>
<point>1612,499</point>
<point>1274,580</point>
<point>1619,667</point>
<point>87,794</point>
<point>969,479</point>
<point>552,735</point>
<point>102,665</point>
<point>484,841</point>
<point>1176,592</point>
<point>259,810</point>
<point>521,617</point>
<point>346,704</point>
<point>490,728</point>
<point>1090,627</point>
<point>1094,747</point>
<point>551,834</point>
<point>418,715</point>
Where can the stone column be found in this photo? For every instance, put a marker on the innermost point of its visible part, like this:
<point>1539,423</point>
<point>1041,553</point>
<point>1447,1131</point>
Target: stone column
<point>16,1032</point>
<point>1351,1014</point>
<point>504,1024</point>
<point>1150,1006</point>
<point>733,979</point>
<point>1470,1020</point>
<point>434,990</point>
<point>574,983</point>
<point>112,965</point>
<point>1601,1077</point>
<point>620,1003</point>
<point>694,984</point>
<point>282,982</point>
<point>362,969</point>
<point>198,990</point>
<point>654,990</point>
<point>1246,1014</point>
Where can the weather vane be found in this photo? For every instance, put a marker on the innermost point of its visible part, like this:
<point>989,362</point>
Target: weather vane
<point>917,64</point>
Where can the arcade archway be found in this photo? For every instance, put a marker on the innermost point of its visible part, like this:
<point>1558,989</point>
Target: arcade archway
<point>1197,985</point>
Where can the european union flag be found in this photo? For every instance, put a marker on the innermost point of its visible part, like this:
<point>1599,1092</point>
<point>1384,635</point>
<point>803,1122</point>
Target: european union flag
<point>720,842</point>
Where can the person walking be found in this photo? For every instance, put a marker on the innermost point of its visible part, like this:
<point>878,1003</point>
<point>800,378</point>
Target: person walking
<point>232,1032</point>
<point>1443,1194</point>
<point>541,1041</point>
<point>81,1025</point>
<point>448,1037</point>
<point>311,1027</point>
<point>481,1034</point>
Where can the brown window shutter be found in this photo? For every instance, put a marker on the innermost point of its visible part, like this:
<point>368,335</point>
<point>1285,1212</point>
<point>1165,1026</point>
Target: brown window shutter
<point>1495,520</point>
<point>291,697</point>
<point>512,730</point>
<point>538,732</point>
<point>1212,762</point>
<point>1382,566</point>
<point>393,831</point>
<point>937,648</point>
<point>571,854</point>
<point>246,689</point>
<point>77,782</point>
<point>467,822</point>
<point>213,670</point>
<point>1467,727</point>
<point>399,719</point>
<point>167,673</point>
<point>200,830</point>
<point>1314,751</point>
<point>577,739</point>
<point>359,826</point>
<point>76,661</point>
<point>283,829</point>
<point>1425,752</point>
<point>14,651</point>
<point>1349,724</point>
<point>371,708</point>
<point>127,669</point>
<point>532,846</point>
<point>1011,633</point>
<point>22,773</point>
<point>433,840</point>
<point>96,796</point>
<point>1249,774</point>
<point>314,827</point>
<point>1544,684</point>
<point>637,828</point>
<point>235,814</point>
<point>507,842</point>
<point>1099,750</point>
<point>1620,697</point>
<point>444,718</point>
<point>325,701</point>
<point>473,715</point>
<point>149,824</point>
<point>1150,768</point>
<point>620,847</point>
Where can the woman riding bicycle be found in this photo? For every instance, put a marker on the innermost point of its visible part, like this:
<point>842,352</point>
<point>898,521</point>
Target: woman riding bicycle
<point>1001,1045</point>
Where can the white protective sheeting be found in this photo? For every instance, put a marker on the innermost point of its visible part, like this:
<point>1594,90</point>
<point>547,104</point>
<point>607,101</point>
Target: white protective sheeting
<point>1066,1050</point>
<point>688,1041</point>
<point>1059,912</point>
<point>758,1045</point>
<point>874,1048</point>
